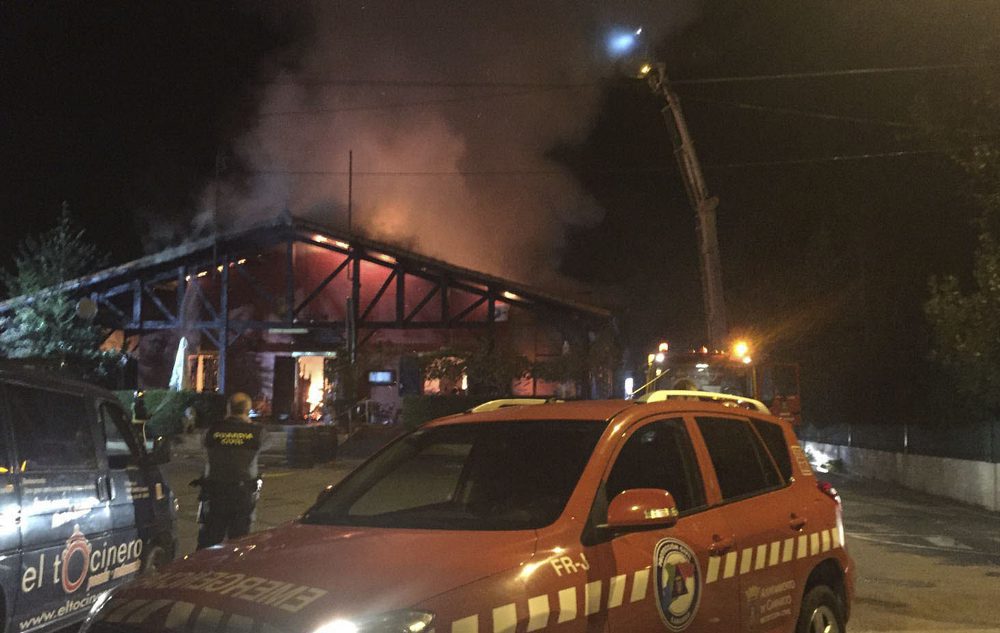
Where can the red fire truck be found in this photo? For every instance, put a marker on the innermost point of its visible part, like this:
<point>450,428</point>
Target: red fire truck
<point>734,371</point>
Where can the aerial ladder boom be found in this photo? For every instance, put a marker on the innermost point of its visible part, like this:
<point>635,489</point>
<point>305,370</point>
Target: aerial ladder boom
<point>703,204</point>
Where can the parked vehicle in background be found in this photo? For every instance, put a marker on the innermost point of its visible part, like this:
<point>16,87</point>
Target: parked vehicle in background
<point>83,506</point>
<point>619,516</point>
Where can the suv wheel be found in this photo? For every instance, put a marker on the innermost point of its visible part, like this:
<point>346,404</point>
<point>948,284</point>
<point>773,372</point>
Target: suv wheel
<point>820,612</point>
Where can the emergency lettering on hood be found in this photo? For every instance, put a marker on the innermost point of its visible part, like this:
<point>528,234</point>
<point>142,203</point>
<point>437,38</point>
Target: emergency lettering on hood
<point>273,593</point>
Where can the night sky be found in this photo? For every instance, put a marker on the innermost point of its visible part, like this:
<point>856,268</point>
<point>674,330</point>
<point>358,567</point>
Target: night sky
<point>470,147</point>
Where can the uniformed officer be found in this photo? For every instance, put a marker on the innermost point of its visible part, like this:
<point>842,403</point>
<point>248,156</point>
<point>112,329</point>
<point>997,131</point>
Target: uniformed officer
<point>229,488</point>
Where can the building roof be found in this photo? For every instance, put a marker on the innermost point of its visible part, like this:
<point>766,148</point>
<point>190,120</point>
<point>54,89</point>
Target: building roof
<point>205,251</point>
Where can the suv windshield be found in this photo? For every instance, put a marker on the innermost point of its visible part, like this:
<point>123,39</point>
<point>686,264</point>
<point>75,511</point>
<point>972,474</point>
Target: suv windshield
<point>488,476</point>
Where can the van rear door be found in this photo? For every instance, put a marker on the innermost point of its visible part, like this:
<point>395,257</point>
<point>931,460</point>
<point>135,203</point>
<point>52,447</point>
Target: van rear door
<point>65,518</point>
<point>140,513</point>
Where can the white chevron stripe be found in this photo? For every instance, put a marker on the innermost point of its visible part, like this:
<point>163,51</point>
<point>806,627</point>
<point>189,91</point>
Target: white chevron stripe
<point>505,618</point>
<point>567,604</point>
<point>466,625</point>
<point>761,557</point>
<point>775,554</point>
<point>239,624</point>
<point>713,569</point>
<point>746,558</point>
<point>836,538</point>
<point>208,621</point>
<point>538,613</point>
<point>814,543</point>
<point>592,597</point>
<point>139,615</point>
<point>789,551</point>
<point>616,591</point>
<point>178,615</point>
<point>730,565</point>
<point>803,546</point>
<point>826,540</point>
<point>123,610</point>
<point>639,584</point>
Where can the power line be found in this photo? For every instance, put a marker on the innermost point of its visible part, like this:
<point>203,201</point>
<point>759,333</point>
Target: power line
<point>437,84</point>
<point>413,104</point>
<point>830,159</point>
<point>851,72</point>
<point>805,113</point>
<point>425,83</point>
<point>615,170</point>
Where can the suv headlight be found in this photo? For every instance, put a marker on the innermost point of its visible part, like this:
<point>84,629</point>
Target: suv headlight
<point>393,622</point>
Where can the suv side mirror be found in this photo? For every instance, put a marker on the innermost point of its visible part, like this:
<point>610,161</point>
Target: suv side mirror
<point>161,450</point>
<point>642,508</point>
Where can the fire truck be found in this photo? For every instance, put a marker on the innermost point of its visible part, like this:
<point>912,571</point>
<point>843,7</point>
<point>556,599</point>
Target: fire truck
<point>734,371</point>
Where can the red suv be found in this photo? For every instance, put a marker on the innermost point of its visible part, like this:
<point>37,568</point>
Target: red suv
<point>588,516</point>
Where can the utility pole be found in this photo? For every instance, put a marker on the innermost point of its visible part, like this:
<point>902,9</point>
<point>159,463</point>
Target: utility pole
<point>703,204</point>
<point>350,191</point>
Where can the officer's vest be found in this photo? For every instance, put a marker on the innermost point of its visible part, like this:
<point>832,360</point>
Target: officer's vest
<point>233,446</point>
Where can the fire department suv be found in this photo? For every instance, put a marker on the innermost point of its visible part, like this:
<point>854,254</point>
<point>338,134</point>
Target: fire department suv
<point>573,517</point>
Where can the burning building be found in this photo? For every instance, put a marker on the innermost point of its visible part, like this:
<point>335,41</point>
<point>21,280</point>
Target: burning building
<point>281,310</point>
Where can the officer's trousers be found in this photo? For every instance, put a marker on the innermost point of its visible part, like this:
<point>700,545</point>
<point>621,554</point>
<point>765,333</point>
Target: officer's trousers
<point>226,512</point>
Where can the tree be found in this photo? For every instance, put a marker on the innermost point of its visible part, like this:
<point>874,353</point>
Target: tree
<point>489,366</point>
<point>45,324</point>
<point>590,366</point>
<point>964,323</point>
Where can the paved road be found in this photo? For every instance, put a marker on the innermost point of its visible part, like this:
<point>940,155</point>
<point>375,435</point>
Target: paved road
<point>287,492</point>
<point>923,564</point>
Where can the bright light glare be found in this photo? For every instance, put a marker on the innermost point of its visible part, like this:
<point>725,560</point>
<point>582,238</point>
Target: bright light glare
<point>629,386</point>
<point>660,357</point>
<point>621,43</point>
<point>741,349</point>
<point>338,626</point>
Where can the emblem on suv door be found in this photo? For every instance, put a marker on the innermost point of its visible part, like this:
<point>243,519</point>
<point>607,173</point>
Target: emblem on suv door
<point>678,583</point>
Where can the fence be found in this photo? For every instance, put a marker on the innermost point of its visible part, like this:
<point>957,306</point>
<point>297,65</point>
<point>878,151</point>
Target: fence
<point>972,441</point>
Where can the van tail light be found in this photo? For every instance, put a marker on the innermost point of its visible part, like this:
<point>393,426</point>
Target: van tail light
<point>827,488</point>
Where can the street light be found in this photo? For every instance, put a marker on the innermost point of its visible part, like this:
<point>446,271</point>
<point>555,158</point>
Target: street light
<point>629,50</point>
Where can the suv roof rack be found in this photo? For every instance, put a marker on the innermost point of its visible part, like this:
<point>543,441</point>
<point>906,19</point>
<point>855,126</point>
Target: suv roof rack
<point>725,399</point>
<point>493,405</point>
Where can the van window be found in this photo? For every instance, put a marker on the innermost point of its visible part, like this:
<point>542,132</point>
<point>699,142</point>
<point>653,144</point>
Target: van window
<point>116,445</point>
<point>659,455</point>
<point>51,429</point>
<point>741,462</point>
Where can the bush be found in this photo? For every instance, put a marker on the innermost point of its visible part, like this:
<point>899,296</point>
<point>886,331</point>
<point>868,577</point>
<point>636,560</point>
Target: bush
<point>419,409</point>
<point>166,408</point>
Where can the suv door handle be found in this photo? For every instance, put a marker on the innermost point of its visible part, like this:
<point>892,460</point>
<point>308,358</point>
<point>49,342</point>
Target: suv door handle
<point>797,522</point>
<point>721,545</point>
<point>103,490</point>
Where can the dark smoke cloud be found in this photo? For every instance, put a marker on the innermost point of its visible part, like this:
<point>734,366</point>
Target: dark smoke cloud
<point>510,220</point>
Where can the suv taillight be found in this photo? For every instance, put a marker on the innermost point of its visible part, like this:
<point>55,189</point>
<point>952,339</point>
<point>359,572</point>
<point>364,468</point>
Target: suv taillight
<point>827,488</point>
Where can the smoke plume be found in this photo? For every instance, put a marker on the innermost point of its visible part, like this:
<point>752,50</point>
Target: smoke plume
<point>450,109</point>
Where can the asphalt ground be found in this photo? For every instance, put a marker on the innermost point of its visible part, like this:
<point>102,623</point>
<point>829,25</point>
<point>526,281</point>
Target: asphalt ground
<point>922,563</point>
